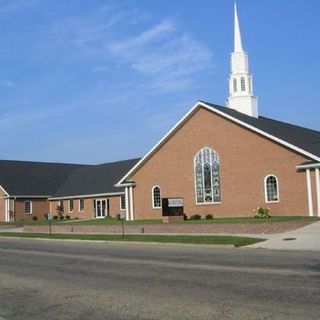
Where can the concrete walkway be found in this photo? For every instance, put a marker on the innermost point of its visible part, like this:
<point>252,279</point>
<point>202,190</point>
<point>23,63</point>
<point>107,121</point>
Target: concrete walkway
<point>305,238</point>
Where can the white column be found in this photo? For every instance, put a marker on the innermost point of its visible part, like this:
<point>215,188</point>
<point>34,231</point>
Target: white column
<point>6,210</point>
<point>318,190</point>
<point>309,188</point>
<point>127,204</point>
<point>131,203</point>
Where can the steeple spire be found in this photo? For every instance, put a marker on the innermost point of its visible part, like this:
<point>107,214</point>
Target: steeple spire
<point>237,33</point>
<point>241,96</point>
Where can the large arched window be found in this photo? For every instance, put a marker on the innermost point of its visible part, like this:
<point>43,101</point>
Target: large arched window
<point>243,84</point>
<point>271,188</point>
<point>207,176</point>
<point>156,197</point>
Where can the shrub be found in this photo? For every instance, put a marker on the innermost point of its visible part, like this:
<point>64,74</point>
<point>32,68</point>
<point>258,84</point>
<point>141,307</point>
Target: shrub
<point>61,217</point>
<point>34,218</point>
<point>118,216</point>
<point>55,217</point>
<point>67,217</point>
<point>261,212</point>
<point>46,216</point>
<point>209,216</point>
<point>185,217</point>
<point>195,217</point>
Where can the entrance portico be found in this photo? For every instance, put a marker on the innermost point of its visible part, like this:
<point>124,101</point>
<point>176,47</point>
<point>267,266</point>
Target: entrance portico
<point>313,187</point>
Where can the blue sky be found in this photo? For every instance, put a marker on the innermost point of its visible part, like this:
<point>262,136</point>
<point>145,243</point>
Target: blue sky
<point>103,80</point>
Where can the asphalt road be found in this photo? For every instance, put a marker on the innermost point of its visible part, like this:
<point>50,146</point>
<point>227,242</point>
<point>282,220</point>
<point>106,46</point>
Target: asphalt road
<point>71,280</point>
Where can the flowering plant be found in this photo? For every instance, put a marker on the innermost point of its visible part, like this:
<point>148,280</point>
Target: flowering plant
<point>261,212</point>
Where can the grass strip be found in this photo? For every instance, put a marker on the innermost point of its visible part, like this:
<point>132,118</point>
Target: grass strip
<point>212,240</point>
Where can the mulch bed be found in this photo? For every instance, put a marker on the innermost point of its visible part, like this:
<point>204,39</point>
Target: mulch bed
<point>250,228</point>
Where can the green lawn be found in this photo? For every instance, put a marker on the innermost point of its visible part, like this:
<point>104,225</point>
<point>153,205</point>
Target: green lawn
<point>111,221</point>
<point>212,240</point>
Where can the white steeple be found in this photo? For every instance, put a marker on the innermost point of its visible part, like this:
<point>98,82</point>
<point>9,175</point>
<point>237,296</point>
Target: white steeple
<point>241,96</point>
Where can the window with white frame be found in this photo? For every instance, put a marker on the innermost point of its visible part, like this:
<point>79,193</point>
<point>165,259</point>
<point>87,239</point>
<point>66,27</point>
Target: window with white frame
<point>271,188</point>
<point>28,207</point>
<point>71,205</point>
<point>207,176</point>
<point>156,197</point>
<point>122,202</point>
<point>81,205</point>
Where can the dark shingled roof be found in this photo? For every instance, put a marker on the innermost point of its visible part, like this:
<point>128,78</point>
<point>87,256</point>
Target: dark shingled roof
<point>95,179</point>
<point>303,138</point>
<point>33,178</point>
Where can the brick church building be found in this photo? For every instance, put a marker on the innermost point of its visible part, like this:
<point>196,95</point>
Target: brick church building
<point>219,160</point>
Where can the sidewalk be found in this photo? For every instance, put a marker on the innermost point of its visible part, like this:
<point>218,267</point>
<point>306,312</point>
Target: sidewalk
<point>305,238</point>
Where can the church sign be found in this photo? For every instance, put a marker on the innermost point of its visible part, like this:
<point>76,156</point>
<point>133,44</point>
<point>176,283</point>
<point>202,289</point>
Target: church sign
<point>175,202</point>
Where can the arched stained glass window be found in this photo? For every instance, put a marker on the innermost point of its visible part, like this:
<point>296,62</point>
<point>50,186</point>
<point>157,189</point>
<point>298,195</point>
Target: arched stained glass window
<point>271,188</point>
<point>243,84</point>
<point>207,176</point>
<point>156,197</point>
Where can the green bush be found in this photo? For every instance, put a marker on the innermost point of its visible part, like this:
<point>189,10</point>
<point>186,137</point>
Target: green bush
<point>209,216</point>
<point>55,217</point>
<point>61,217</point>
<point>46,216</point>
<point>34,218</point>
<point>67,217</point>
<point>195,217</point>
<point>261,212</point>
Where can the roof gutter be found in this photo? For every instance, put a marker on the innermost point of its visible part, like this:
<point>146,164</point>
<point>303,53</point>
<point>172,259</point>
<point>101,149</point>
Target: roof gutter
<point>88,196</point>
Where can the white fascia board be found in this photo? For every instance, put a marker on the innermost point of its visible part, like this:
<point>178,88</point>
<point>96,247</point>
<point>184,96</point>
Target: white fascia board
<point>4,190</point>
<point>212,109</point>
<point>88,196</point>
<point>308,166</point>
<point>30,197</point>
<point>156,146</point>
<point>263,133</point>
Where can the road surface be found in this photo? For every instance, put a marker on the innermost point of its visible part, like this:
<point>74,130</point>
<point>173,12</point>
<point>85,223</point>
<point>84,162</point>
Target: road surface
<point>42,279</point>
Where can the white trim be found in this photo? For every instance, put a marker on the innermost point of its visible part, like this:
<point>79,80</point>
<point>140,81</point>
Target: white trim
<point>4,190</point>
<point>309,188</point>
<point>131,203</point>
<point>152,195</point>
<point>29,197</point>
<point>122,208</point>
<point>265,188</point>
<point>79,206</point>
<point>88,196</point>
<point>308,166</point>
<point>127,203</point>
<point>318,189</point>
<point>204,105</point>
<point>30,207</point>
<point>69,209</point>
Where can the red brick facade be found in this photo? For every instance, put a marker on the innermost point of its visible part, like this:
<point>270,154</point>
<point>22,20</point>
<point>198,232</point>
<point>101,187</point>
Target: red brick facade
<point>245,159</point>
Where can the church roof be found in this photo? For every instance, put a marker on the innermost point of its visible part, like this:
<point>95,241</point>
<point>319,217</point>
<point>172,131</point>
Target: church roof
<point>303,138</point>
<point>26,178</point>
<point>41,179</point>
<point>99,179</point>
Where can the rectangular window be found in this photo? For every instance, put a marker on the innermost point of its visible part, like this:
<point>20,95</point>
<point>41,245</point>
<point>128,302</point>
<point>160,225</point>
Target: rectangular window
<point>70,205</point>
<point>122,202</point>
<point>28,207</point>
<point>81,205</point>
